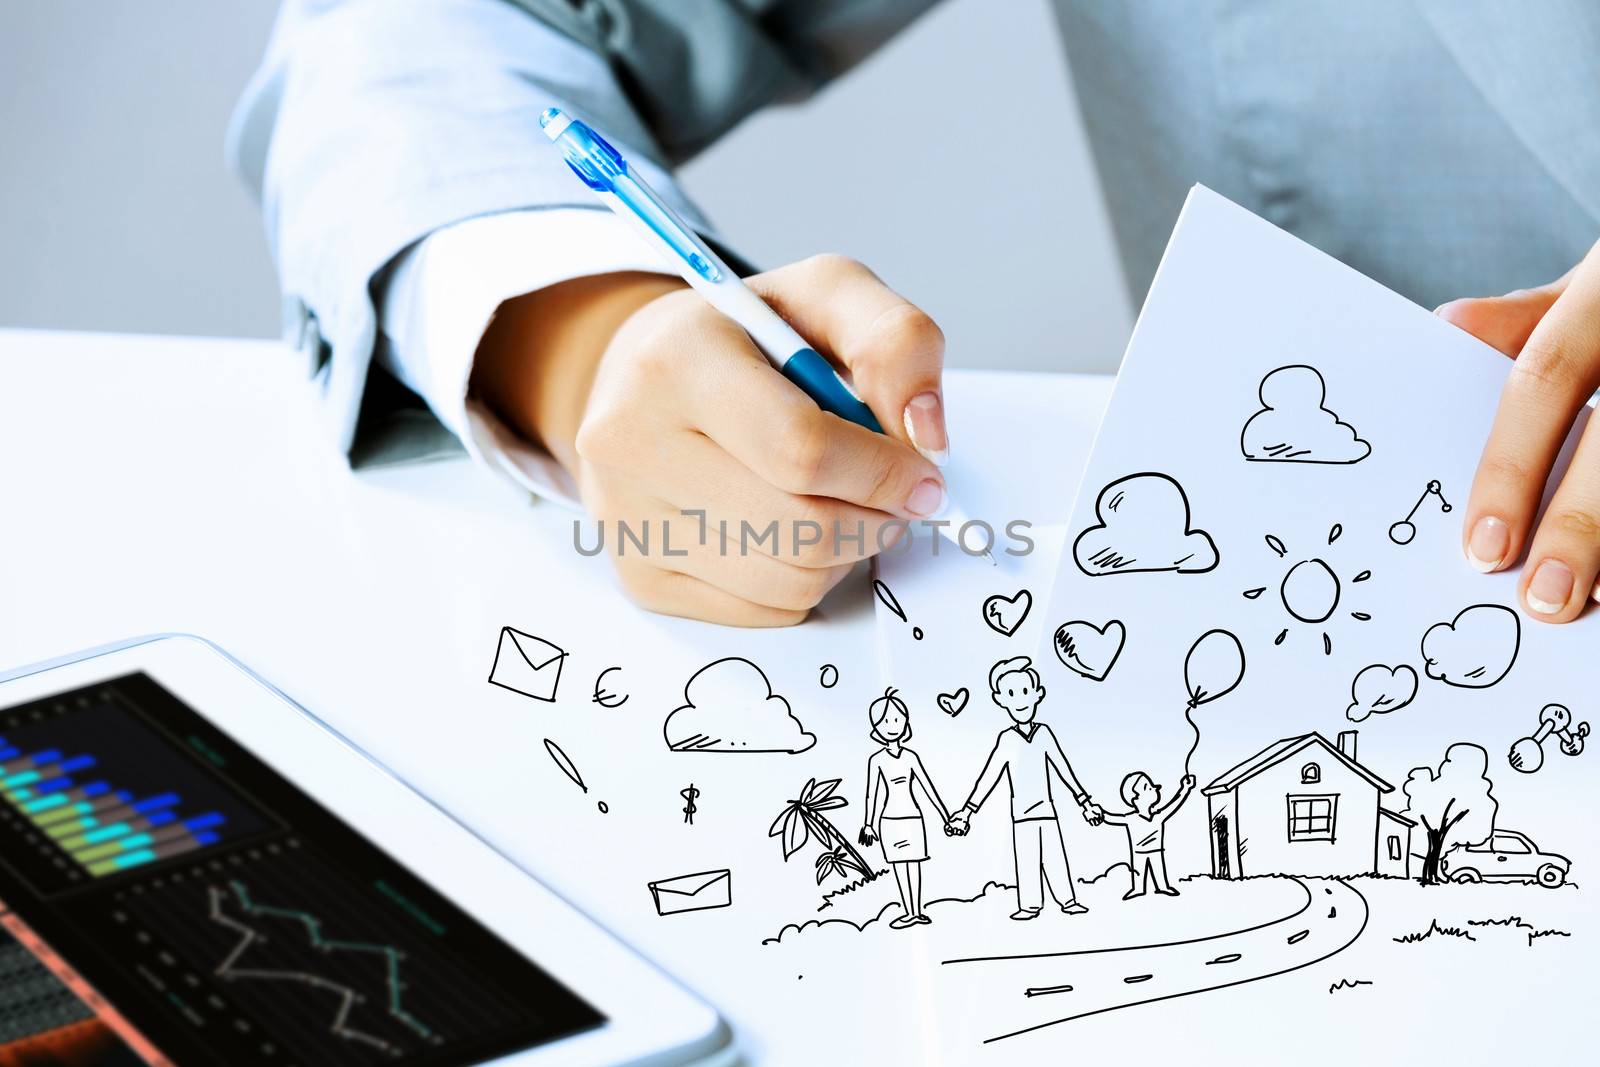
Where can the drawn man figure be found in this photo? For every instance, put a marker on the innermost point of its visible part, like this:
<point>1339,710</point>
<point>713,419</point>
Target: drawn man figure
<point>1024,754</point>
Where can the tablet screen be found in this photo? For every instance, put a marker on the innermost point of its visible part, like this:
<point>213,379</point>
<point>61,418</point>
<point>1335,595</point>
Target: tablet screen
<point>165,897</point>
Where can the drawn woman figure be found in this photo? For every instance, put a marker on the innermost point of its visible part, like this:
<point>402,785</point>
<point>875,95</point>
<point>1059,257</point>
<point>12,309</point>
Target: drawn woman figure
<point>893,815</point>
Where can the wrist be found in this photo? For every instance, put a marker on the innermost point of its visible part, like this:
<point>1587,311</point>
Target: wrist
<point>537,361</point>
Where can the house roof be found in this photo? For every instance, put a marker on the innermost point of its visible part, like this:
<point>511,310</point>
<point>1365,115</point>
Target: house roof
<point>1396,816</point>
<point>1279,751</point>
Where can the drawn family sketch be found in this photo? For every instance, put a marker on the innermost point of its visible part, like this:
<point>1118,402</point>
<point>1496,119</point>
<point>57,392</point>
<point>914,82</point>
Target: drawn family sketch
<point>894,819</point>
<point>1145,822</point>
<point>729,706</point>
<point>1295,425</point>
<point>1143,524</point>
<point>1025,755</point>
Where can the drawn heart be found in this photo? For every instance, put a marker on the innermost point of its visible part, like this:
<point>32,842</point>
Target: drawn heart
<point>1005,614</point>
<point>1090,650</point>
<point>952,703</point>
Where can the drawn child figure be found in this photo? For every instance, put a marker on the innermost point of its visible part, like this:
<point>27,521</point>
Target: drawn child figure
<point>893,815</point>
<point>1145,824</point>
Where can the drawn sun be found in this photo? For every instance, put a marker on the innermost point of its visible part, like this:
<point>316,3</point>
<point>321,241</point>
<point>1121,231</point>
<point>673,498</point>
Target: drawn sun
<point>1310,590</point>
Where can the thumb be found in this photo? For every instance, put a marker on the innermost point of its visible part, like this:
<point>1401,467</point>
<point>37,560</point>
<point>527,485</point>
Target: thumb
<point>1504,322</point>
<point>892,351</point>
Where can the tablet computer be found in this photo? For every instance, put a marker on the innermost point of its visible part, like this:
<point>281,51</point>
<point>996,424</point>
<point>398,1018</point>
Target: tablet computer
<point>193,870</point>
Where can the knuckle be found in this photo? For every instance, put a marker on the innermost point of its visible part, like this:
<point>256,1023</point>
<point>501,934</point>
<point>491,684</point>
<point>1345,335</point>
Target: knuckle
<point>1504,468</point>
<point>887,481</point>
<point>810,510</point>
<point>599,438</point>
<point>906,328</point>
<point>1550,364</point>
<point>802,450</point>
<point>832,265</point>
<point>1579,523</point>
<point>804,589</point>
<point>640,583</point>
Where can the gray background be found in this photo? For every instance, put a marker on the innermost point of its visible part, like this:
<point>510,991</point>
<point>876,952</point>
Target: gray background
<point>118,214</point>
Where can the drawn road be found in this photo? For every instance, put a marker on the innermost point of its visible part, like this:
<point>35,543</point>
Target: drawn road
<point>1028,993</point>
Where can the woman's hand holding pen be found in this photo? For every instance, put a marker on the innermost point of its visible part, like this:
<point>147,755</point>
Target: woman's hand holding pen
<point>657,405</point>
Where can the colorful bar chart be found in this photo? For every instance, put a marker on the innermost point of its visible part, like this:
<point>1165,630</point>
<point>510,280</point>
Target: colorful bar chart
<point>103,829</point>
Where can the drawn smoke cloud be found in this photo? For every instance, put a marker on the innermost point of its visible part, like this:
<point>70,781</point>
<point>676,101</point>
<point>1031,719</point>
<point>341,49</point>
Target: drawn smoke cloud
<point>729,706</point>
<point>1143,525</point>
<point>1294,424</point>
<point>1475,649</point>
<point>1379,689</point>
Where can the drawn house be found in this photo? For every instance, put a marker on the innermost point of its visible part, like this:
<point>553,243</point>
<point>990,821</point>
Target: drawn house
<point>1303,805</point>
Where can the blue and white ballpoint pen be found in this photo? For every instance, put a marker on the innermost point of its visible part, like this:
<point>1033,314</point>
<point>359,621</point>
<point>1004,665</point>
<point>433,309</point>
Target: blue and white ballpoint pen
<point>607,174</point>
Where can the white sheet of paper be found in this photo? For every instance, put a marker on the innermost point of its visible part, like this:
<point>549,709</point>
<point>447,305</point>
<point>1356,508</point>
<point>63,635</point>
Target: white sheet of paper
<point>1296,529</point>
<point>1019,446</point>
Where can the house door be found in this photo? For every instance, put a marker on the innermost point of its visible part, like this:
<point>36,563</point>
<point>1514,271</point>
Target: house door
<point>1219,828</point>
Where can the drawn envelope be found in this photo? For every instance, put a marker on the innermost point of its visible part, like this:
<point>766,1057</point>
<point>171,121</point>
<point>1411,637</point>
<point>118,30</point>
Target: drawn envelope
<point>527,664</point>
<point>693,892</point>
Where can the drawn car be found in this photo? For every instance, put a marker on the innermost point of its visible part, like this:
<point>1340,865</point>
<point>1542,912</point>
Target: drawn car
<point>1507,856</point>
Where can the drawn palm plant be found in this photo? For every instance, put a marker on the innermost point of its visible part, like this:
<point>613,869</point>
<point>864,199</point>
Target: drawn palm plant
<point>802,819</point>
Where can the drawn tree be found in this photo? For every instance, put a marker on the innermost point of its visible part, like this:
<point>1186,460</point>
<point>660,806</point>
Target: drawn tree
<point>803,818</point>
<point>1454,804</point>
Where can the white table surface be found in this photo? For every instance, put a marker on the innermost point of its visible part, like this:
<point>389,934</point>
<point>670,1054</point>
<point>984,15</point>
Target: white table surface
<point>158,484</point>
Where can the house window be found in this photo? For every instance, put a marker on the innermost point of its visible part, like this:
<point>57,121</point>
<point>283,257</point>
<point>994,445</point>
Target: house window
<point>1310,774</point>
<point>1312,818</point>
<point>1394,847</point>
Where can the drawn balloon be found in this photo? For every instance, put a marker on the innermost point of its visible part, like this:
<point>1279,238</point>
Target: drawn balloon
<point>1213,668</point>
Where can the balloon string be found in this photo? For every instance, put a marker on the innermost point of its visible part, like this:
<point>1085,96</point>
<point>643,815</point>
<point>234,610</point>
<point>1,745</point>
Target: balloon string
<point>1188,714</point>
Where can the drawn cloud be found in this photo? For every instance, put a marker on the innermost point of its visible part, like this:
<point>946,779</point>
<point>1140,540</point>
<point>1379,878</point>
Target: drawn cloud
<point>729,706</point>
<point>1378,690</point>
<point>1294,424</point>
<point>1475,649</point>
<point>1142,524</point>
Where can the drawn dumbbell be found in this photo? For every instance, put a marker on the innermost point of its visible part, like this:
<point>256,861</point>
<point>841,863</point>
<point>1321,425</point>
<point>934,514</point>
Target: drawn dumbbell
<point>1527,755</point>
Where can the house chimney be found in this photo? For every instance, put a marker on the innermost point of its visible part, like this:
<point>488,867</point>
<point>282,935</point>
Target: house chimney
<point>1347,744</point>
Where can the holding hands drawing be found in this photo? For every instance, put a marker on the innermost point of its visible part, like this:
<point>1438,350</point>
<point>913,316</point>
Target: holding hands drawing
<point>1093,814</point>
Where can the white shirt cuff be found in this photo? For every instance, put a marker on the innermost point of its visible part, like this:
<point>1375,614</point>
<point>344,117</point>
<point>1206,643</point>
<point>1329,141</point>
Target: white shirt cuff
<point>443,292</point>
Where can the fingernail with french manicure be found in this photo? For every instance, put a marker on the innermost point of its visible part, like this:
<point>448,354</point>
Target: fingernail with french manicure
<point>1551,587</point>
<point>1486,547</point>
<point>924,421</point>
<point>926,500</point>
